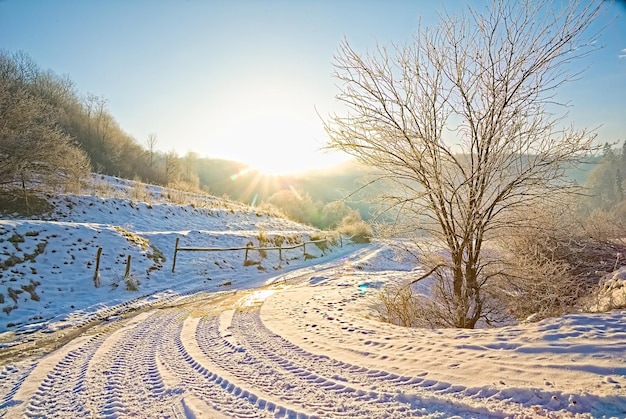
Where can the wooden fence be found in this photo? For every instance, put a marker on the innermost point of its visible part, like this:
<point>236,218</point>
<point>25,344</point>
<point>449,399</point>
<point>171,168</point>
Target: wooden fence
<point>247,249</point>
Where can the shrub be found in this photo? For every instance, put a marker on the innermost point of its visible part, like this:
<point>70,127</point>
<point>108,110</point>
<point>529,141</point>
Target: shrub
<point>552,264</point>
<point>263,242</point>
<point>398,304</point>
<point>539,280</point>
<point>353,226</point>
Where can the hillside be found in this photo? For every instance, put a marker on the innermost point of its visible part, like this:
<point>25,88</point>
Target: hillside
<point>48,265</point>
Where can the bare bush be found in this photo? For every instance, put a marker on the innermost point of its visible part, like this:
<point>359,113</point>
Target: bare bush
<point>539,281</point>
<point>551,263</point>
<point>396,303</point>
<point>602,225</point>
<point>353,226</point>
<point>264,241</point>
<point>140,191</point>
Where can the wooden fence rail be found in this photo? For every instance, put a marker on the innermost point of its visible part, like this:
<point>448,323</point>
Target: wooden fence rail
<point>246,248</point>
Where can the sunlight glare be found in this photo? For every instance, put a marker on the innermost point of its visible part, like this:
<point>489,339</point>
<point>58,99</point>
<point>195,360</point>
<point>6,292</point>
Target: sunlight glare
<point>277,144</point>
<point>266,127</point>
<point>240,174</point>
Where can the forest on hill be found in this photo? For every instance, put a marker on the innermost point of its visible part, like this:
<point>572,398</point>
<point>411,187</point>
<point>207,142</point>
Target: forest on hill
<point>52,133</point>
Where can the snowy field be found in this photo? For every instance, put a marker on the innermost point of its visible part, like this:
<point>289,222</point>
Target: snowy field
<point>294,338</point>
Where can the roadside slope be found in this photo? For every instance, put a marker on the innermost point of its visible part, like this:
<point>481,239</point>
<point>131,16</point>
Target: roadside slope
<point>48,266</point>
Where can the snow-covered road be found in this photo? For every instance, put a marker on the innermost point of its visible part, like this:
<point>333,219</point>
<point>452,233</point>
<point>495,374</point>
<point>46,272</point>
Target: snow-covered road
<point>308,346</point>
<point>205,359</point>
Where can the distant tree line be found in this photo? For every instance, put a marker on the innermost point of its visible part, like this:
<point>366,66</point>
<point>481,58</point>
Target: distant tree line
<point>606,184</point>
<point>49,128</point>
<point>335,215</point>
<point>50,134</point>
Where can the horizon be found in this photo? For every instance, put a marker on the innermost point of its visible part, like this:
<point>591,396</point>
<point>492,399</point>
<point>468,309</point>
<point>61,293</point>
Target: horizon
<point>249,82</point>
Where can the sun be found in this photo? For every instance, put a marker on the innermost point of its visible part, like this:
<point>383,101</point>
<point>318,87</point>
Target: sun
<point>277,144</point>
<point>265,124</point>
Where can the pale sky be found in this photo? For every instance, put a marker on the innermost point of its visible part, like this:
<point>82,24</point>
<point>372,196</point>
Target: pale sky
<point>242,79</point>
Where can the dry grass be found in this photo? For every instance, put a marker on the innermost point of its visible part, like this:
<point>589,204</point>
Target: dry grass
<point>13,201</point>
<point>398,304</point>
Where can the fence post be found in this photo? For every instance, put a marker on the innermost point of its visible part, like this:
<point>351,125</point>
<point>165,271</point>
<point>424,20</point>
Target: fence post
<point>175,253</point>
<point>127,273</point>
<point>280,252</point>
<point>303,249</point>
<point>245,259</point>
<point>96,275</point>
<point>341,239</point>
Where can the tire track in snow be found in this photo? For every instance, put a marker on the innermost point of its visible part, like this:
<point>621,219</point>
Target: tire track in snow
<point>216,391</point>
<point>198,357</point>
<point>265,360</point>
<point>62,392</point>
<point>11,379</point>
<point>429,395</point>
<point>126,377</point>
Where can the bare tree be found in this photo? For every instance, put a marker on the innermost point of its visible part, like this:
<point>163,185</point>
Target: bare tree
<point>461,123</point>
<point>190,161</point>
<point>172,167</point>
<point>151,144</point>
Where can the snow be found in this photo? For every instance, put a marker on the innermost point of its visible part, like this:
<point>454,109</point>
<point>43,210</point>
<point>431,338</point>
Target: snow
<point>63,274</point>
<point>298,337</point>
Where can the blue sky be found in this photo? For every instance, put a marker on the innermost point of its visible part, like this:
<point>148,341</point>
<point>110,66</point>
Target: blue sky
<point>243,79</point>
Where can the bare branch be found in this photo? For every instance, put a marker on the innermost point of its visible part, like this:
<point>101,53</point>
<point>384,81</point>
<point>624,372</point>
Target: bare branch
<point>461,123</point>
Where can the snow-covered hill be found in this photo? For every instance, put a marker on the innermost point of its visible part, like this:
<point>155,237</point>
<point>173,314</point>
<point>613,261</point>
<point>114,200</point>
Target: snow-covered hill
<point>48,266</point>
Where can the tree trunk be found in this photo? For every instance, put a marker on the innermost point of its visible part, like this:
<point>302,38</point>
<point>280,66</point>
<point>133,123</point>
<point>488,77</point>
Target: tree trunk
<point>25,193</point>
<point>458,282</point>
